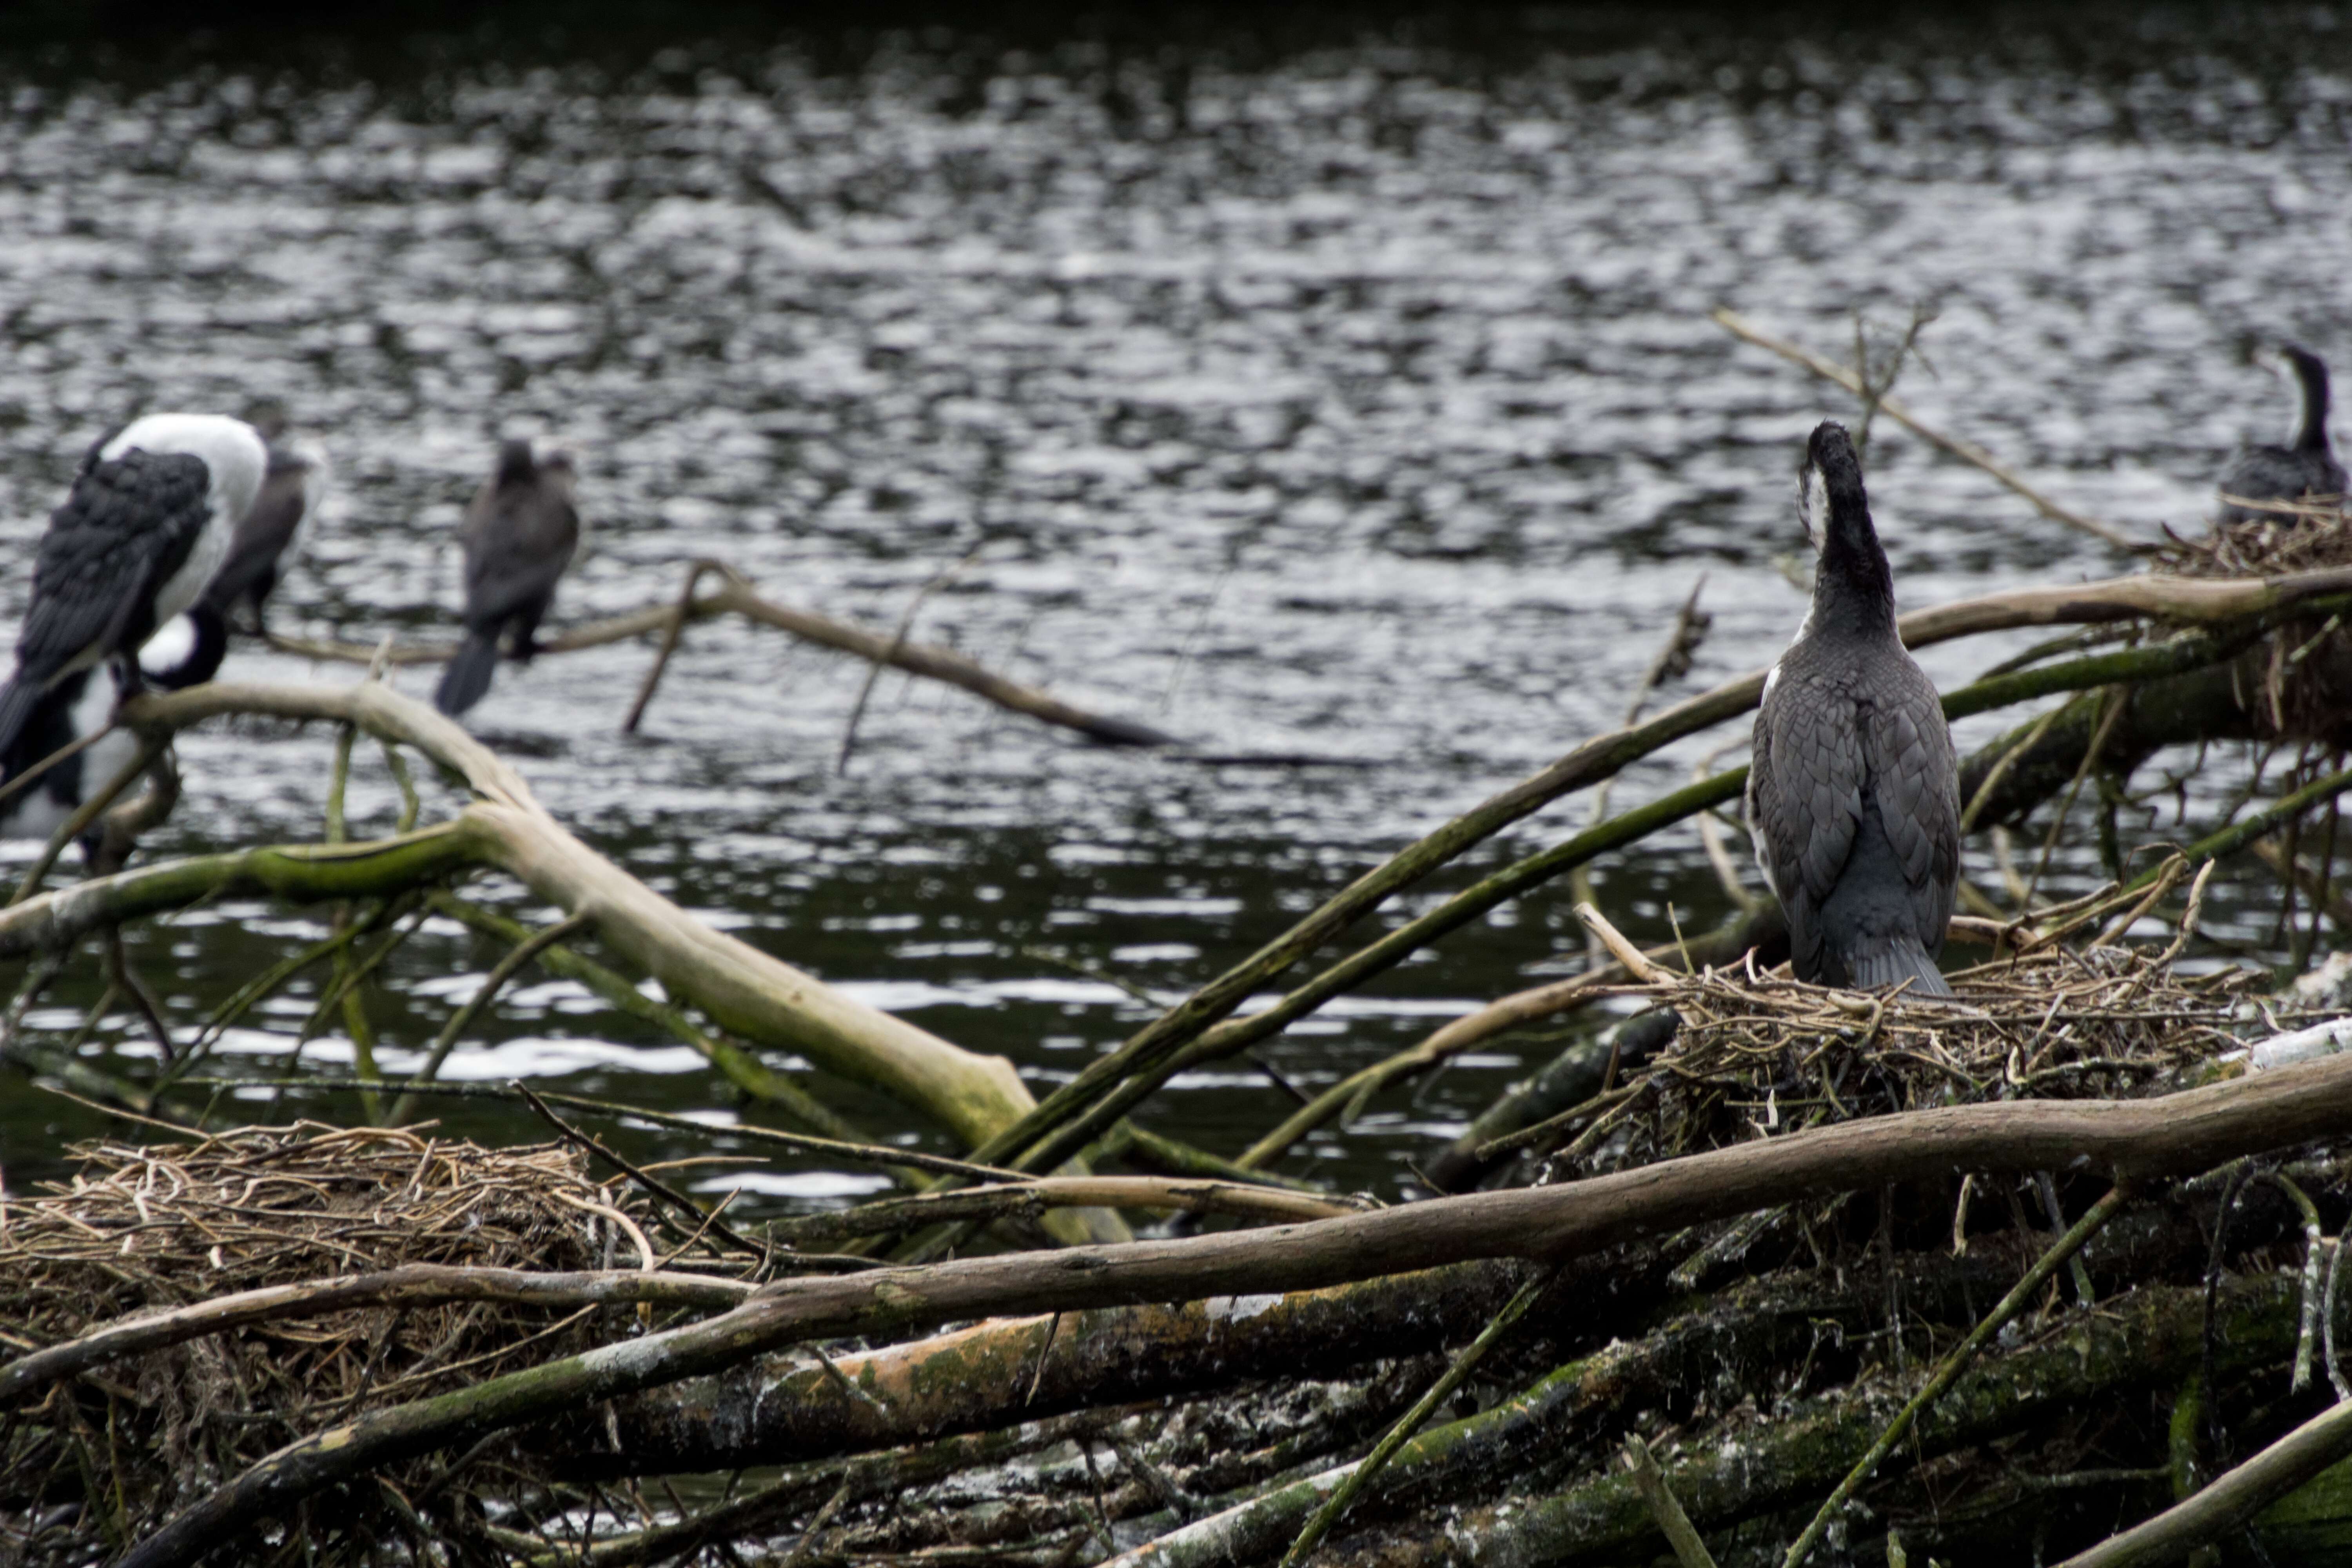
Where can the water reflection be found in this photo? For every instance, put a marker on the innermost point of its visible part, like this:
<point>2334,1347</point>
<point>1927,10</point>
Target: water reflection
<point>1355,397</point>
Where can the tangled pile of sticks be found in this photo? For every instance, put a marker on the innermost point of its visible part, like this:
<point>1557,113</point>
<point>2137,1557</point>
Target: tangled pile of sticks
<point>145,1229</point>
<point>1758,1055</point>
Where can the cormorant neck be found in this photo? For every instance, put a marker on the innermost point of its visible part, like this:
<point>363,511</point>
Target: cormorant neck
<point>2312,436</point>
<point>1854,591</point>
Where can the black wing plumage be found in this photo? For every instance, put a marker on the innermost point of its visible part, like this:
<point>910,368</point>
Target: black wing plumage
<point>516,552</point>
<point>127,526</point>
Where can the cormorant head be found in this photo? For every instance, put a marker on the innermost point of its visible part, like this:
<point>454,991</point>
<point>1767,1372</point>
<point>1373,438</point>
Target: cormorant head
<point>1828,483</point>
<point>1851,580</point>
<point>515,464</point>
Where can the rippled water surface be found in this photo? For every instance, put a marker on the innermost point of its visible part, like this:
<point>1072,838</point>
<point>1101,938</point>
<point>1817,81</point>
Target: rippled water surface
<point>1351,398</point>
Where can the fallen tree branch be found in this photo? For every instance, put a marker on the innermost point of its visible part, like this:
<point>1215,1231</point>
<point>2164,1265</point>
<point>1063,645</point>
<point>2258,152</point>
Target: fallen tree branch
<point>2230,1500</point>
<point>2146,1337</point>
<point>410,1285</point>
<point>738,597</point>
<point>782,1409</point>
<point>741,988</point>
<point>2131,1140</point>
<point>1033,1198</point>
<point>1954,1364</point>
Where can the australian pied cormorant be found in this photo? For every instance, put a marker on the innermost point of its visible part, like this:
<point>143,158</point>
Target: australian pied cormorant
<point>185,651</point>
<point>1854,795</point>
<point>140,535</point>
<point>2304,466</point>
<point>519,534</point>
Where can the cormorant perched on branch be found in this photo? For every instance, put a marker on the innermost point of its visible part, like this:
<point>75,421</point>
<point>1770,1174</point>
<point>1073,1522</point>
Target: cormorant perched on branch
<point>141,534</point>
<point>272,529</point>
<point>186,651</point>
<point>2304,467</point>
<point>1854,795</point>
<point>519,534</point>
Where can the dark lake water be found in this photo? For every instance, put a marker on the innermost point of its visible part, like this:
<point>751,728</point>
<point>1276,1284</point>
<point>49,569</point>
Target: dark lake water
<point>1350,393</point>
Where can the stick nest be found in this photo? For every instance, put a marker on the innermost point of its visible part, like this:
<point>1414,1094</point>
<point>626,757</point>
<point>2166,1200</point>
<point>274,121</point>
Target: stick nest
<point>143,1229</point>
<point>1763,1055</point>
<point>2298,678</point>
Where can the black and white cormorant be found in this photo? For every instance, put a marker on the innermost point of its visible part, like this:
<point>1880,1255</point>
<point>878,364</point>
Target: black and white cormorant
<point>519,534</point>
<point>2304,466</point>
<point>140,535</point>
<point>185,651</point>
<point>1854,795</point>
<point>272,529</point>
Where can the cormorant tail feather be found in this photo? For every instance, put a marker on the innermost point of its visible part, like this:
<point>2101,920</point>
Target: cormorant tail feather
<point>1893,960</point>
<point>468,675</point>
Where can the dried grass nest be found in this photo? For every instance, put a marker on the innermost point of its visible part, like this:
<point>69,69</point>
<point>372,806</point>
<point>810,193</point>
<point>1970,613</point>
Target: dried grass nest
<point>1759,1053</point>
<point>142,1229</point>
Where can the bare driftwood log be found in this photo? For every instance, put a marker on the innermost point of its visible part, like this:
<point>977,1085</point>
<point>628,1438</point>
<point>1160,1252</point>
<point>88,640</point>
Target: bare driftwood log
<point>779,1408</point>
<point>737,596</point>
<point>742,989</point>
<point>2126,1140</point>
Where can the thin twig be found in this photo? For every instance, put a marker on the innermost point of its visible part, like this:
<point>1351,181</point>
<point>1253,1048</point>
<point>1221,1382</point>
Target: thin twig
<point>1407,1424</point>
<point>1673,1522</point>
<point>74,827</point>
<point>522,954</point>
<point>1965,450</point>
<point>645,1179</point>
<point>898,641</point>
<point>670,635</point>
<point>1954,1364</point>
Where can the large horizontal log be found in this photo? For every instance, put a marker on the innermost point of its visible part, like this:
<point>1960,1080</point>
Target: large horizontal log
<point>781,1409</point>
<point>2128,1140</point>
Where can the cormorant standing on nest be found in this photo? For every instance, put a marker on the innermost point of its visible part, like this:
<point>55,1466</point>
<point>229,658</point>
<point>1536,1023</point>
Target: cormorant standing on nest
<point>1854,795</point>
<point>519,534</point>
<point>272,529</point>
<point>141,534</point>
<point>2304,467</point>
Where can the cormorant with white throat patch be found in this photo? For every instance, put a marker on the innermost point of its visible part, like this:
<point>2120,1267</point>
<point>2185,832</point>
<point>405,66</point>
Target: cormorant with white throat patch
<point>2304,467</point>
<point>146,524</point>
<point>519,531</point>
<point>1853,794</point>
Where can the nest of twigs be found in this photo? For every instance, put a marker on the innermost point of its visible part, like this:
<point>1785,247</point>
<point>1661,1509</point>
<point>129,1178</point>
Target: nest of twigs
<point>143,1229</point>
<point>1761,1055</point>
<point>2294,536</point>
<point>2298,679</point>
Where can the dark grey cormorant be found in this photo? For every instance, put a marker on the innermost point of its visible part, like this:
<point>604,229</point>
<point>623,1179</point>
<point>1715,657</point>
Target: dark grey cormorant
<point>2304,467</point>
<point>141,534</point>
<point>271,529</point>
<point>519,534</point>
<point>1854,795</point>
